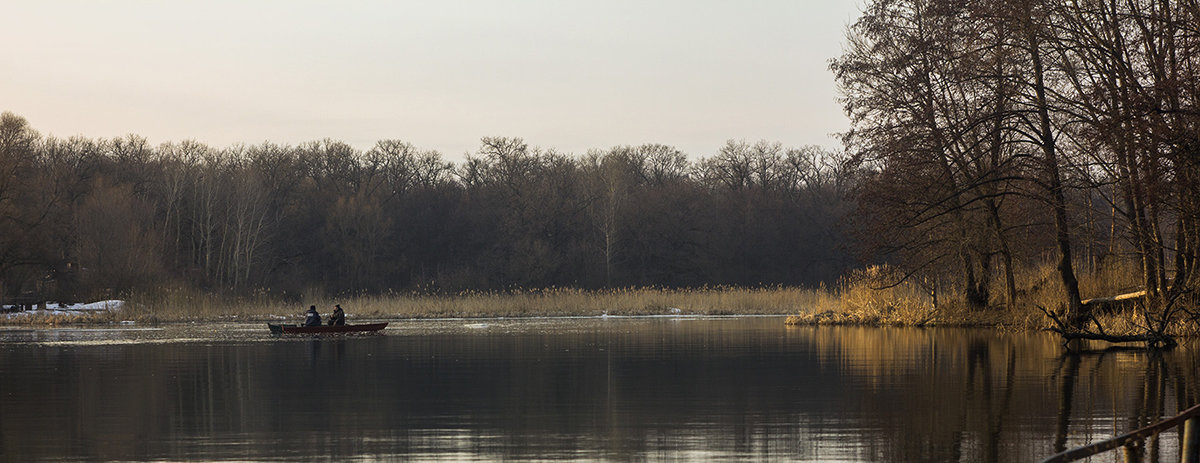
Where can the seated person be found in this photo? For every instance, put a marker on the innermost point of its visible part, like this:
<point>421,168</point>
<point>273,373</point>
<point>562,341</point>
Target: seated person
<point>338,318</point>
<point>312,318</point>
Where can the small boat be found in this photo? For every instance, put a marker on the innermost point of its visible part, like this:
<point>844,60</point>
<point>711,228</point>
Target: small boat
<point>324,329</point>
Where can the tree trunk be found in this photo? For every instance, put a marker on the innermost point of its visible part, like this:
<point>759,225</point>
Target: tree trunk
<point>1010,284</point>
<point>1058,201</point>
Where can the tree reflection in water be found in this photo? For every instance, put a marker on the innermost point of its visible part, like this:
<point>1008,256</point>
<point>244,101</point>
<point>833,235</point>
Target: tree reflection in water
<point>1165,385</point>
<point>584,389</point>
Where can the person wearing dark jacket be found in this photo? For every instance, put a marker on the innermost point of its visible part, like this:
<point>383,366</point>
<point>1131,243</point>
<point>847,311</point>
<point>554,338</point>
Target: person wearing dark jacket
<point>312,318</point>
<point>339,317</point>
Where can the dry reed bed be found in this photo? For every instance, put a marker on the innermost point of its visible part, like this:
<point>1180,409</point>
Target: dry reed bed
<point>865,297</point>
<point>870,297</point>
<point>179,305</point>
<point>575,302</point>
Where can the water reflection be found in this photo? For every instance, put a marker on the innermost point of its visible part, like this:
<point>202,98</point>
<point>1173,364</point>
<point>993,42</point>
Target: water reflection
<point>1163,384</point>
<point>624,389</point>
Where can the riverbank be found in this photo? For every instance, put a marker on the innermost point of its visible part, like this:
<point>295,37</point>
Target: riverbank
<point>554,302</point>
<point>863,298</point>
<point>888,307</point>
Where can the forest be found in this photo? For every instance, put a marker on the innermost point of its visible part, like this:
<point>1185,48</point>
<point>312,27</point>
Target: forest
<point>983,127</point>
<point>84,218</point>
<point>998,152</point>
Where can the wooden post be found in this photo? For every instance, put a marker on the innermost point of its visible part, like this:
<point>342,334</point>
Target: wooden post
<point>1131,452</point>
<point>1189,449</point>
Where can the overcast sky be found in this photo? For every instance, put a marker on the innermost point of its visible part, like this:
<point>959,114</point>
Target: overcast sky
<point>571,75</point>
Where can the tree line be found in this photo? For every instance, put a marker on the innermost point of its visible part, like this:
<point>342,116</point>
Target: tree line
<point>989,131</point>
<point>86,217</point>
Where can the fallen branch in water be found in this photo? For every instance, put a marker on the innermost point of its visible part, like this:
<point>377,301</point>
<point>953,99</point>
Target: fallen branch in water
<point>1152,339</point>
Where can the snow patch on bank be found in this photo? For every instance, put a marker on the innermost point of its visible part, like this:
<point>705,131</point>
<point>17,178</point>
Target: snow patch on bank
<point>55,308</point>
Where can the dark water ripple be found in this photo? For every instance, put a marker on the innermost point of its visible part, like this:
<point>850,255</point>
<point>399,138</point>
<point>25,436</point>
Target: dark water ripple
<point>617,389</point>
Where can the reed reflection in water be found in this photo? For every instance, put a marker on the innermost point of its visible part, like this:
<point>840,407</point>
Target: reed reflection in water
<point>609,389</point>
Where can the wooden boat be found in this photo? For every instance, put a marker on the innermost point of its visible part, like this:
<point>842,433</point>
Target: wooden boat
<point>326,329</point>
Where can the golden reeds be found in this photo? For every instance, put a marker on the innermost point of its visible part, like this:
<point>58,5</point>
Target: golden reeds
<point>172,305</point>
<point>873,296</point>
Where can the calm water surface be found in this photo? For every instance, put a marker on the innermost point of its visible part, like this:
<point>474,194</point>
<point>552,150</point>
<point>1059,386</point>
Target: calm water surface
<point>574,389</point>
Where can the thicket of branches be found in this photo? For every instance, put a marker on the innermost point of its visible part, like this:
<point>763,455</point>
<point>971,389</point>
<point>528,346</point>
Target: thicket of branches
<point>987,126</point>
<point>84,218</point>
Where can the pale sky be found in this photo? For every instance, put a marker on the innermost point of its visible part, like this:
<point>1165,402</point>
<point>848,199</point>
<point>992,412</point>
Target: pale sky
<point>570,75</point>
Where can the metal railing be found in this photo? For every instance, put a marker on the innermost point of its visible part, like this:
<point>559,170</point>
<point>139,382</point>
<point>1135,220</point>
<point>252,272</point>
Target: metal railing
<point>1131,443</point>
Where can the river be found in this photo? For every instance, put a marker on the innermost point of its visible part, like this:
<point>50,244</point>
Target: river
<point>615,389</point>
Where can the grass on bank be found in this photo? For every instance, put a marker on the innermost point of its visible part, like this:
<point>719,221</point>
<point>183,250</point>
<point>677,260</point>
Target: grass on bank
<point>865,297</point>
<point>870,297</point>
<point>875,296</point>
<point>178,305</point>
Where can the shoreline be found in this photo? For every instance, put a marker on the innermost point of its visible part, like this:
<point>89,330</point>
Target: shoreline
<point>371,319</point>
<point>784,320</point>
<point>181,305</point>
<point>845,306</point>
<point>34,320</point>
<point>999,320</point>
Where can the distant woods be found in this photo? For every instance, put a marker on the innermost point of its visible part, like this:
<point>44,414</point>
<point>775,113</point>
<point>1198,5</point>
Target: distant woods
<point>993,134</point>
<point>84,218</point>
<point>989,140</point>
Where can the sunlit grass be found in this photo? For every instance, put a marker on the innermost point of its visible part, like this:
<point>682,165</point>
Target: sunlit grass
<point>869,297</point>
<point>875,297</point>
<point>175,305</point>
<point>577,302</point>
<point>57,319</point>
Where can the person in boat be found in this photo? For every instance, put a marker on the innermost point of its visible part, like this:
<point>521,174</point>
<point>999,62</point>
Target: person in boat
<point>312,318</point>
<point>338,318</point>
